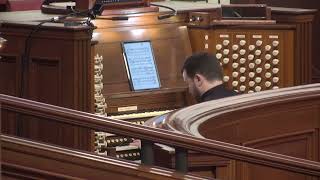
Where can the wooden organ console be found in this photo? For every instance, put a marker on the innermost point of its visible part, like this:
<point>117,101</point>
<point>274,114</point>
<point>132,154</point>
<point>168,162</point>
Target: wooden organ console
<point>256,54</point>
<point>113,95</point>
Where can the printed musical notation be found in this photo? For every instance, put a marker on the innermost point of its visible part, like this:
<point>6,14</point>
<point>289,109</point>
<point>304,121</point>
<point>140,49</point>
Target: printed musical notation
<point>142,68</point>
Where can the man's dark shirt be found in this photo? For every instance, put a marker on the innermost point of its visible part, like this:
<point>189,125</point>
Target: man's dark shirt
<point>216,93</point>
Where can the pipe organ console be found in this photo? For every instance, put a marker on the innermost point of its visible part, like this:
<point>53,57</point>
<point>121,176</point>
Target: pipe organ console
<point>255,54</point>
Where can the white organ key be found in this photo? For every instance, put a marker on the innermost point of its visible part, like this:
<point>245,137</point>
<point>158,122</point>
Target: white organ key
<point>235,74</point>
<point>218,47</point>
<point>268,56</point>
<point>235,47</point>
<point>257,88</point>
<point>275,52</point>
<point>218,55</point>
<point>275,61</point>
<point>235,83</point>
<point>251,74</point>
<point>259,70</point>
<point>251,65</point>
<point>225,60</point>
<point>250,91</point>
<point>235,65</point>
<point>225,42</point>
<point>275,79</point>
<point>242,52</point>
<point>242,70</point>
<point>251,47</point>
<point>268,75</point>
<point>250,57</point>
<point>257,52</point>
<point>242,42</point>
<point>226,78</point>
<point>242,79</point>
<point>242,88</point>
<point>226,51</point>
<point>258,42</point>
<point>275,87</point>
<point>267,83</point>
<point>267,47</point>
<point>267,66</point>
<point>235,56</point>
<point>242,60</point>
<point>251,83</point>
<point>258,61</point>
<point>275,43</point>
<point>275,70</point>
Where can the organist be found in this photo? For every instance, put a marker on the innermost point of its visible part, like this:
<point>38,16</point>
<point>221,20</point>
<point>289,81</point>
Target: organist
<point>203,74</point>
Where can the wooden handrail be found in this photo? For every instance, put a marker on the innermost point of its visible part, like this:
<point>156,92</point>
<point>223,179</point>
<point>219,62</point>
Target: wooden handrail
<point>174,139</point>
<point>187,119</point>
<point>88,162</point>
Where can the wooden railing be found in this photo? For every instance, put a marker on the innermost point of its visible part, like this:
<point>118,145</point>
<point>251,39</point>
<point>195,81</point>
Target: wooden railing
<point>283,121</point>
<point>181,142</point>
<point>25,159</point>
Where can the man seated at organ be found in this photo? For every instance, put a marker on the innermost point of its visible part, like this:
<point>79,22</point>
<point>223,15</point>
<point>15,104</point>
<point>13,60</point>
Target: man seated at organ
<point>203,74</point>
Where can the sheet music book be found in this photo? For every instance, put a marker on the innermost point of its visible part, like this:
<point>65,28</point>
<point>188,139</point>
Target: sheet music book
<point>140,64</point>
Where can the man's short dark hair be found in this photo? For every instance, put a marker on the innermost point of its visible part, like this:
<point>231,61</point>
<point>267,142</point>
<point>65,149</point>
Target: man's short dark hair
<point>205,64</point>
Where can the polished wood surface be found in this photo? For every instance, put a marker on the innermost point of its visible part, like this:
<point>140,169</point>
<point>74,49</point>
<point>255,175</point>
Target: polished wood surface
<point>25,159</point>
<point>284,121</point>
<point>63,116</point>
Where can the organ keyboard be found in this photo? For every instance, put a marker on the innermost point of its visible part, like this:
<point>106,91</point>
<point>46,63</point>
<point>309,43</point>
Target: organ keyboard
<point>139,115</point>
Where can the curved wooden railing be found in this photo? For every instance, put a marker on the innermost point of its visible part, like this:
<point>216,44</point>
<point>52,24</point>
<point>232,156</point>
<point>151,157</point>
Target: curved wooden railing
<point>189,119</point>
<point>284,121</point>
<point>181,142</point>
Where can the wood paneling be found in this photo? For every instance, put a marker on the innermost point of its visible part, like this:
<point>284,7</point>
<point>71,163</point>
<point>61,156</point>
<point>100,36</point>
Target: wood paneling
<point>10,66</point>
<point>58,70</point>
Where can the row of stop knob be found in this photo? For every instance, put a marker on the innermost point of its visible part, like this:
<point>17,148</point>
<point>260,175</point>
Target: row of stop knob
<point>242,42</point>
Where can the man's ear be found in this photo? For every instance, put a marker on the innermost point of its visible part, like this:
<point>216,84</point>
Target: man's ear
<point>198,79</point>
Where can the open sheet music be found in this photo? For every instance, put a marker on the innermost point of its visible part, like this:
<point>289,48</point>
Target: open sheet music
<point>141,66</point>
